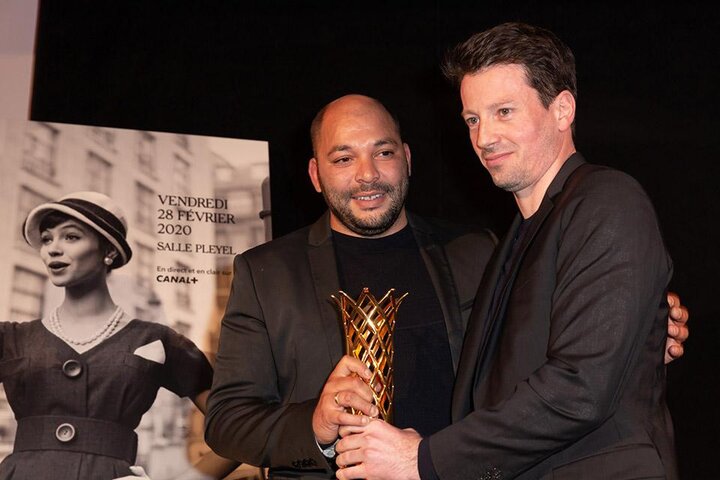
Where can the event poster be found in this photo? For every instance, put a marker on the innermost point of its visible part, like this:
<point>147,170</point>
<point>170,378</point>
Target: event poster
<point>191,203</point>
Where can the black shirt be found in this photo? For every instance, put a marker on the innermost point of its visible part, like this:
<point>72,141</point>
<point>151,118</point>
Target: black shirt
<point>423,365</point>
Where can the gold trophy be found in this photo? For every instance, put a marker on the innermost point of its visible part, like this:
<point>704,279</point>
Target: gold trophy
<point>369,325</point>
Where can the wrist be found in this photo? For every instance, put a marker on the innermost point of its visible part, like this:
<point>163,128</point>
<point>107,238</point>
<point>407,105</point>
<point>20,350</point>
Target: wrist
<point>327,449</point>
<point>425,466</point>
<point>326,436</point>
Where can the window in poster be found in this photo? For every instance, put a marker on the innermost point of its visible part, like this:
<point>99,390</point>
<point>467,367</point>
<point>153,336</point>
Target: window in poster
<point>191,204</point>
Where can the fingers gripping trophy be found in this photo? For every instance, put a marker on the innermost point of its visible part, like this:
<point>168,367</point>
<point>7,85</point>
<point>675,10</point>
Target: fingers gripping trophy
<point>369,326</point>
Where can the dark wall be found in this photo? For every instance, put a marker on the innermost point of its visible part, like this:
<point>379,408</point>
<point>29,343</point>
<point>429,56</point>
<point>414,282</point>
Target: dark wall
<point>648,104</point>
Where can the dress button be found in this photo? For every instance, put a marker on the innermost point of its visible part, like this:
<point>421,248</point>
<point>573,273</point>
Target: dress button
<point>65,432</point>
<point>72,368</point>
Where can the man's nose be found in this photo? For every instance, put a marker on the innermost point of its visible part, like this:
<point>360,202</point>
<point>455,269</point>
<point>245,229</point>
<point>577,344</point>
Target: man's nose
<point>485,134</point>
<point>367,171</point>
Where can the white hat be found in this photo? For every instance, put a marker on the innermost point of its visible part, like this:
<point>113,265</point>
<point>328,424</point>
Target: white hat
<point>94,209</point>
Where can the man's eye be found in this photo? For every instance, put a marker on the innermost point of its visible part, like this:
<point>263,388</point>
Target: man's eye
<point>471,121</point>
<point>341,160</point>
<point>386,153</point>
<point>504,112</point>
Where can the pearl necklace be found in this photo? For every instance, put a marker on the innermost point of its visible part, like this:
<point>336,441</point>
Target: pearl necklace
<point>100,335</point>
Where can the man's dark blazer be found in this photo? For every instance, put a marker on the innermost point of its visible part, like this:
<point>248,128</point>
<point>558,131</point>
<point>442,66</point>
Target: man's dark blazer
<point>564,379</point>
<point>281,337</point>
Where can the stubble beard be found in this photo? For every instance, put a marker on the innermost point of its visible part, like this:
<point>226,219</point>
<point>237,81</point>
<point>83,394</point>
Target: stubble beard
<point>371,225</point>
<point>502,175</point>
<point>508,183</point>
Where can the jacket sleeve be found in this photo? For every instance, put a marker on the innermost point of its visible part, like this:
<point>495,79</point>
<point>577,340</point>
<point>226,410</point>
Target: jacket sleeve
<point>611,270</point>
<point>246,420</point>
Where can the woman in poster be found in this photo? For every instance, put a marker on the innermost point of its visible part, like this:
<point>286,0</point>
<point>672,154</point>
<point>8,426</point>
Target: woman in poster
<point>80,380</point>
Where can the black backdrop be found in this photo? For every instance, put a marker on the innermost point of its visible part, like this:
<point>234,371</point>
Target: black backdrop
<point>648,104</point>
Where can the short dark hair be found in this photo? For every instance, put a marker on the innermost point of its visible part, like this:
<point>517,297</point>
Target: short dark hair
<point>316,123</point>
<point>54,218</point>
<point>549,64</point>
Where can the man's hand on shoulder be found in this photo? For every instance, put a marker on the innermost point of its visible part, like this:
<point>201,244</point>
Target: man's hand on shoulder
<point>678,330</point>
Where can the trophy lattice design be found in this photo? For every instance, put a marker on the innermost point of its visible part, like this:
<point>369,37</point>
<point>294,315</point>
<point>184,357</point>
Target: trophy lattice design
<point>369,326</point>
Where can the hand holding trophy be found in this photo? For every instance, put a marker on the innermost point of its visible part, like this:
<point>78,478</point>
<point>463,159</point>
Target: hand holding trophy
<point>369,326</point>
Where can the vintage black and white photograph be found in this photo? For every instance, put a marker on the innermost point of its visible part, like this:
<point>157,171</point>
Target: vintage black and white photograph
<point>176,209</point>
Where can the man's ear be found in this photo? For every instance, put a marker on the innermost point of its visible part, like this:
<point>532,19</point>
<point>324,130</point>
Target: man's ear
<point>313,173</point>
<point>564,106</point>
<point>406,147</point>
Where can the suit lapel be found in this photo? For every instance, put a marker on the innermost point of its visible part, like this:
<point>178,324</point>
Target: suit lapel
<point>484,325</point>
<point>323,268</point>
<point>492,328</point>
<point>438,268</point>
<point>536,222</point>
<point>462,392</point>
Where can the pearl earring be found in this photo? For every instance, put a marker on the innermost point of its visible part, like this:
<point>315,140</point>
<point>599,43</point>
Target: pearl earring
<point>108,260</point>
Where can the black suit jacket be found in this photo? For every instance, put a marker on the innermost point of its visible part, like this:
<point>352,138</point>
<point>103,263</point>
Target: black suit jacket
<point>281,336</point>
<point>565,377</point>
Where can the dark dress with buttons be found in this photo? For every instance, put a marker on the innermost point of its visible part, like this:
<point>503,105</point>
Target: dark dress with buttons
<point>77,412</point>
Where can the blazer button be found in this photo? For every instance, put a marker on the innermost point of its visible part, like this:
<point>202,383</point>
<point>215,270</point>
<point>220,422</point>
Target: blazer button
<point>72,368</point>
<point>65,432</point>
